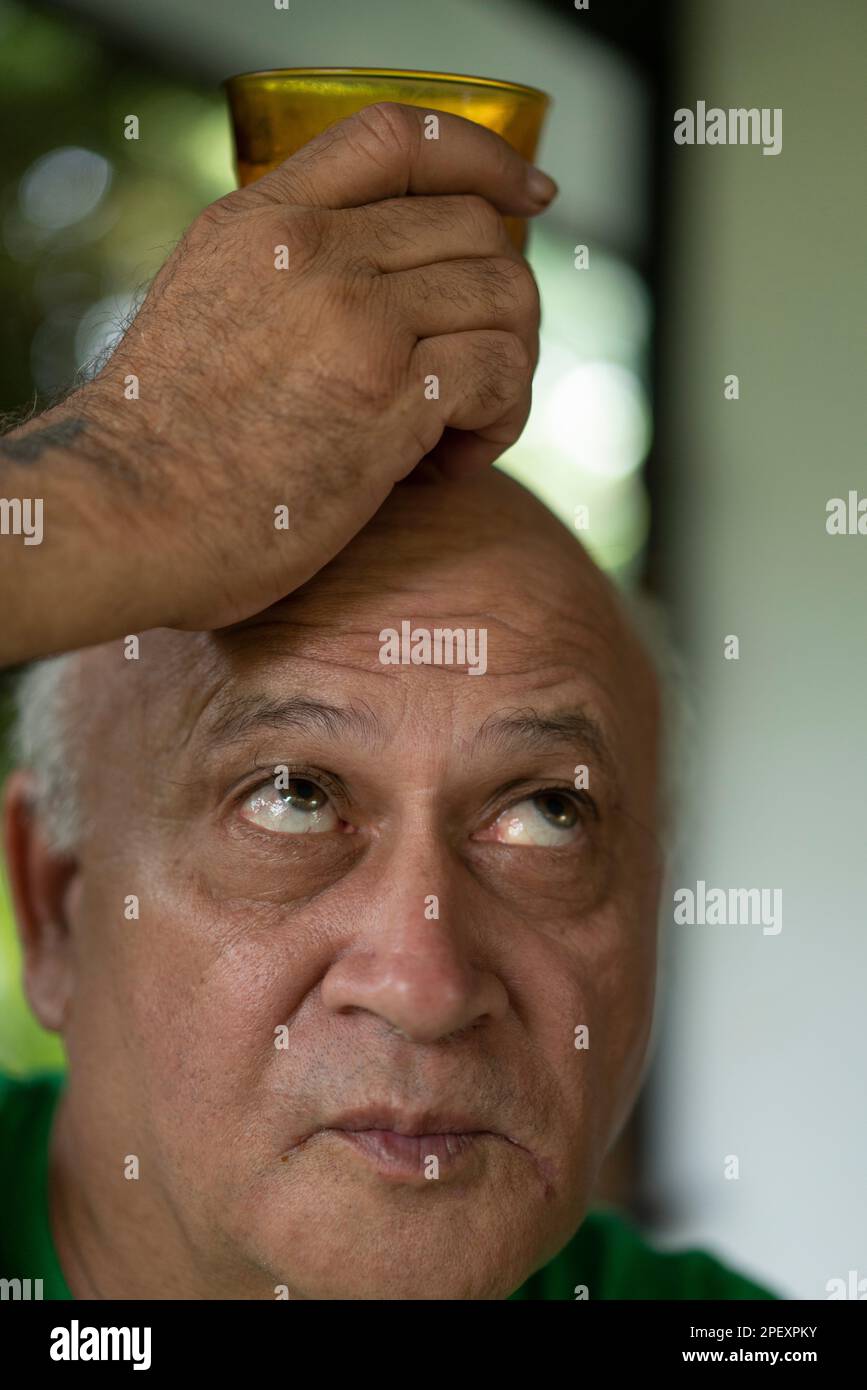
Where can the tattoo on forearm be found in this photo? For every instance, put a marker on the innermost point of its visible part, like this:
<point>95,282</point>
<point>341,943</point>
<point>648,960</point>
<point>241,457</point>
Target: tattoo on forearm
<point>34,444</point>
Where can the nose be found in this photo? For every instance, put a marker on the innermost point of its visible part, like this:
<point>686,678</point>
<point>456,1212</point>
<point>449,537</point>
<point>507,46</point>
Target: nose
<point>418,961</point>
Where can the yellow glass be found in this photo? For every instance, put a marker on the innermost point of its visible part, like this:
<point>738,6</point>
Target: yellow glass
<point>275,113</point>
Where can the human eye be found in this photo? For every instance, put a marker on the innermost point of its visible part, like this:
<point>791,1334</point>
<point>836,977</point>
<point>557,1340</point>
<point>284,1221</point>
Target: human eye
<point>547,819</point>
<point>293,805</point>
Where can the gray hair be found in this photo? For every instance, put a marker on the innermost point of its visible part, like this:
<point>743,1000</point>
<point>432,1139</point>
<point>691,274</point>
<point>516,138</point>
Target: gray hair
<point>43,734</point>
<point>41,742</point>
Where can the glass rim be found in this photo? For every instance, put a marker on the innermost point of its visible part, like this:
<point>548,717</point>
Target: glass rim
<point>448,78</point>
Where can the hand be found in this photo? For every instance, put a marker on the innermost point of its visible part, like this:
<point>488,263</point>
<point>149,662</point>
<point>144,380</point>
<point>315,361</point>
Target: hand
<point>401,326</point>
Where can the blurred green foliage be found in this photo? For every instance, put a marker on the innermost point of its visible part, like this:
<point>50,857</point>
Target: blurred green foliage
<point>63,86</point>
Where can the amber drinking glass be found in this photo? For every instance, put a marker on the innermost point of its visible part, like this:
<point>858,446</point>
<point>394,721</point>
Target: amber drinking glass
<point>275,113</point>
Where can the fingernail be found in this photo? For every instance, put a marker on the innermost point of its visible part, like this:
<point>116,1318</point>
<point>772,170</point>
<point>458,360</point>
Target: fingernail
<point>540,188</point>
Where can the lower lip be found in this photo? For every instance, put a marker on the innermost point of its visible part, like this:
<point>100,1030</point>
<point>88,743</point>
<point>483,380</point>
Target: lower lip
<point>409,1154</point>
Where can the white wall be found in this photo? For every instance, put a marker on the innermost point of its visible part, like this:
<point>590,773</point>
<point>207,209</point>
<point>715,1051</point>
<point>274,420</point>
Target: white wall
<point>763,1051</point>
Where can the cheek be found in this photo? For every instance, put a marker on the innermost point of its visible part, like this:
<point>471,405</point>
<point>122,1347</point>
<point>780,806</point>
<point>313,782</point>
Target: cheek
<point>594,989</point>
<point>625,983</point>
<point>182,1001</point>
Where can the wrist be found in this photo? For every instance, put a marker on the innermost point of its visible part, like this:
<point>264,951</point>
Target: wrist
<point>96,573</point>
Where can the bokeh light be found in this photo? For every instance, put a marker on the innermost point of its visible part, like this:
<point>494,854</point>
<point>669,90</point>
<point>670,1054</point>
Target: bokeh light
<point>63,187</point>
<point>598,413</point>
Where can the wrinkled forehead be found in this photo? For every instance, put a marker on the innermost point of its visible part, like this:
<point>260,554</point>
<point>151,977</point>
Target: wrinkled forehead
<point>482,560</point>
<point>543,632</point>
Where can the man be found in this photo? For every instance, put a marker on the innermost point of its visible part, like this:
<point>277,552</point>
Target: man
<point>352,951</point>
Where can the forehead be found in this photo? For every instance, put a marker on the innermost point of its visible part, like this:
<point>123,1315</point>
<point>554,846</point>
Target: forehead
<point>561,657</point>
<point>482,561</point>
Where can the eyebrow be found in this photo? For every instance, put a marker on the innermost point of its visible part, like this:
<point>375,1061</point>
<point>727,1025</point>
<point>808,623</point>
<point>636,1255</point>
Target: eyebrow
<point>248,713</point>
<point>524,728</point>
<point>527,728</point>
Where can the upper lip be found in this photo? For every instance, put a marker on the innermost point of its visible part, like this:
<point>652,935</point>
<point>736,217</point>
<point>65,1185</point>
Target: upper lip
<point>399,1122</point>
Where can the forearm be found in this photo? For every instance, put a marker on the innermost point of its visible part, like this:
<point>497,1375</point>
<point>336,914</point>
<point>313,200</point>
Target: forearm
<point>72,529</point>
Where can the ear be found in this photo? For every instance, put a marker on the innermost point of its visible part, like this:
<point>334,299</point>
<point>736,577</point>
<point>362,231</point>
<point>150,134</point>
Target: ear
<point>44,886</point>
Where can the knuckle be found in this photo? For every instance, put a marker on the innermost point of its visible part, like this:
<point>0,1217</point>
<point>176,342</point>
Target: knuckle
<point>307,226</point>
<point>355,290</point>
<point>207,229</point>
<point>369,352</point>
<point>520,362</point>
<point>513,363</point>
<point>222,210</point>
<point>383,130</point>
<point>303,230</point>
<point>518,283</point>
<point>522,277</point>
<point>373,384</point>
<point>503,369</point>
<point>374,229</point>
<point>485,221</point>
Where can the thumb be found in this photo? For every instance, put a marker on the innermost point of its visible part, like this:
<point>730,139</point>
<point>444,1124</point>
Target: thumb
<point>381,152</point>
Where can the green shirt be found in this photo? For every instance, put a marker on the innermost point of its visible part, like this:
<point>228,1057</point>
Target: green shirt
<point>607,1254</point>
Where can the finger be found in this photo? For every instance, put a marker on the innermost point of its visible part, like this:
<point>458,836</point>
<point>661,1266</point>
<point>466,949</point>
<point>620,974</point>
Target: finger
<point>462,296</point>
<point>401,233</point>
<point>477,381</point>
<point>381,152</point>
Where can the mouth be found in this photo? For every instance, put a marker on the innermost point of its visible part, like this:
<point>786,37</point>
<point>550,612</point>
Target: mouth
<point>404,1146</point>
<point>408,1155</point>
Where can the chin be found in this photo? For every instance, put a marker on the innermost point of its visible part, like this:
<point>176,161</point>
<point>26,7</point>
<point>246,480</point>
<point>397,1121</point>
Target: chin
<point>439,1263</point>
<point>339,1239</point>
